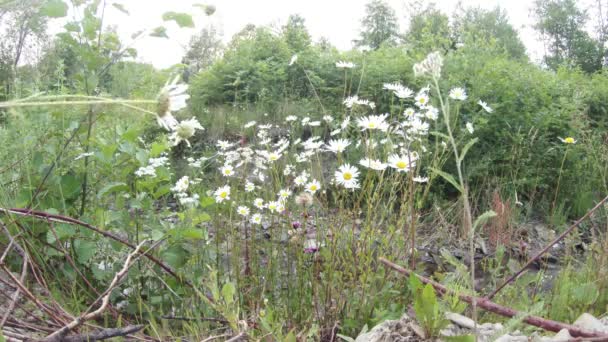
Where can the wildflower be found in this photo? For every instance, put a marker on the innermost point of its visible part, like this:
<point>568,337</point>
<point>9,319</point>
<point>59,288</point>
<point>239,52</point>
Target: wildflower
<point>250,124</point>
<point>222,194</point>
<point>469,127</point>
<point>314,123</point>
<point>313,186</point>
<point>249,187</point>
<point>189,201</point>
<point>345,122</point>
<point>345,65</point>
<point>328,118</point>
<point>273,206</point>
<point>243,211</point>
<point>185,130</point>
<point>350,101</point>
<point>338,146</point>
<point>258,203</point>
<point>301,179</point>
<point>273,156</point>
<point>290,118</point>
<point>419,179</point>
<point>293,59</point>
<point>256,218</point>
<point>83,155</point>
<point>181,185</point>
<point>171,98</point>
<point>399,90</point>
<point>311,246</point>
<point>485,106</point>
<point>304,199</point>
<point>430,65</point>
<point>227,170</point>
<point>284,194</point>
<point>335,132</point>
<point>458,94</point>
<point>346,176</point>
<point>422,99</point>
<point>401,163</point>
<point>409,112</point>
<point>373,122</point>
<point>373,164</point>
<point>568,140</point>
<point>431,113</point>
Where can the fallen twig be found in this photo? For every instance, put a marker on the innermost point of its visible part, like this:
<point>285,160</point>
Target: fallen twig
<point>488,305</point>
<point>15,296</point>
<point>104,334</point>
<point>544,250</point>
<point>60,334</point>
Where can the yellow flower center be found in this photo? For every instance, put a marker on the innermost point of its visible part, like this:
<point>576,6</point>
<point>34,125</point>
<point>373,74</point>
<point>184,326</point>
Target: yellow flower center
<point>224,194</point>
<point>347,176</point>
<point>313,187</point>
<point>273,157</point>
<point>401,164</point>
<point>371,125</point>
<point>569,140</point>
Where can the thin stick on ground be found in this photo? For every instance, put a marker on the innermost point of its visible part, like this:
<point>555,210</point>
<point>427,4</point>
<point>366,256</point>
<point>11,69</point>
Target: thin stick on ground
<point>488,305</point>
<point>15,296</point>
<point>60,334</point>
<point>544,250</point>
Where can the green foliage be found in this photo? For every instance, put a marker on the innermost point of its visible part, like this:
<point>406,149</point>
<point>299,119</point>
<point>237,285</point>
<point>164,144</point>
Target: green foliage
<point>379,26</point>
<point>426,306</point>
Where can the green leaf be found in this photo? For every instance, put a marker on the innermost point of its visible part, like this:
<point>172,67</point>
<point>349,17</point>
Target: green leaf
<point>111,188</point>
<point>459,338</point>
<point>182,19</point>
<point>228,291</point>
<point>84,250</point>
<point>441,135</point>
<point>54,9</point>
<point>70,185</point>
<point>207,201</point>
<point>466,148</point>
<point>448,177</point>
<point>120,7</point>
<point>63,232</point>
<point>159,32</point>
<point>346,338</point>
<point>175,256</point>
<point>483,218</point>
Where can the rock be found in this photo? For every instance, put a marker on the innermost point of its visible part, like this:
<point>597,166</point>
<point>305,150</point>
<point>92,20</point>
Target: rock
<point>587,321</point>
<point>562,336</point>
<point>390,331</point>
<point>460,320</point>
<point>511,338</point>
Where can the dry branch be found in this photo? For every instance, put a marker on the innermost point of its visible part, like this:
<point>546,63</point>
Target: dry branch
<point>104,334</point>
<point>488,305</point>
<point>544,250</point>
<point>60,334</point>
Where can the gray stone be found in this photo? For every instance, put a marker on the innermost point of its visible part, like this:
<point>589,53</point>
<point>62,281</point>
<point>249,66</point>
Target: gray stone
<point>587,321</point>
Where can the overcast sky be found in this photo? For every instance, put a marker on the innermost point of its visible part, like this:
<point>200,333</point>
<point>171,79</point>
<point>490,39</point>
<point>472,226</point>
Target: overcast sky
<point>337,20</point>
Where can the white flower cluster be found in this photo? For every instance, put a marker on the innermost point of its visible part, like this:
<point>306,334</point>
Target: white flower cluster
<point>153,164</point>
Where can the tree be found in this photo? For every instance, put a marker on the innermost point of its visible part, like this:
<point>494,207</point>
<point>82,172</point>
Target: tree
<point>295,33</point>
<point>429,30</point>
<point>204,49</point>
<point>561,24</point>
<point>480,26</point>
<point>379,26</point>
<point>23,28</point>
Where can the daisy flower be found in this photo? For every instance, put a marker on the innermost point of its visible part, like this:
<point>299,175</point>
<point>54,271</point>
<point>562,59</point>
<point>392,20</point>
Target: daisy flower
<point>256,218</point>
<point>258,203</point>
<point>222,194</point>
<point>419,179</point>
<point>458,94</point>
<point>422,99</point>
<point>373,122</point>
<point>347,175</point>
<point>249,187</point>
<point>485,106</point>
<point>171,98</point>
<point>313,186</point>
<point>184,131</point>
<point>568,140</point>
<point>272,206</point>
<point>181,185</point>
<point>469,127</point>
<point>227,170</point>
<point>401,163</point>
<point>243,211</point>
<point>409,112</point>
<point>345,65</point>
<point>430,65</point>
<point>337,146</point>
<point>373,164</point>
<point>293,59</point>
<point>284,194</point>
